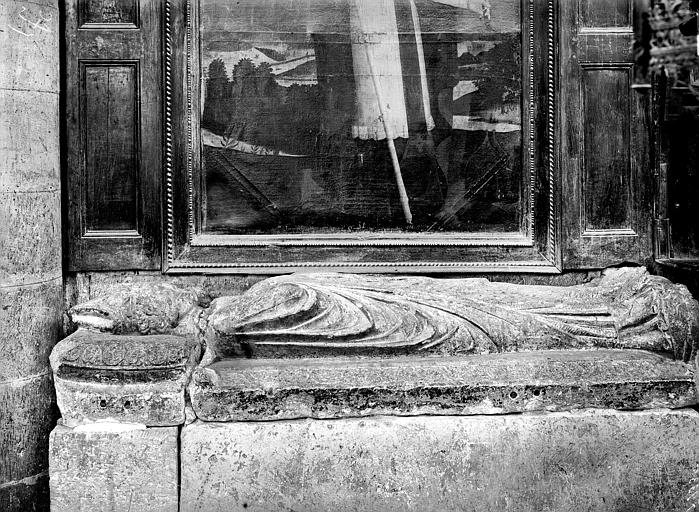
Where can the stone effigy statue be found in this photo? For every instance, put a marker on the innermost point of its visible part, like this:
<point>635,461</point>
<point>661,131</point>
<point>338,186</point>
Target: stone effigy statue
<point>364,350</point>
<point>309,315</point>
<point>338,345</point>
<point>326,314</point>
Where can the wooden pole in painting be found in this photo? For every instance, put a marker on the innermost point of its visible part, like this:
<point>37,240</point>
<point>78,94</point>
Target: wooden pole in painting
<point>423,68</point>
<point>405,204</point>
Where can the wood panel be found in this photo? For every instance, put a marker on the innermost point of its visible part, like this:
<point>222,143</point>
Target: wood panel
<point>605,13</point>
<point>604,138</point>
<point>607,169</point>
<point>110,109</point>
<point>112,12</point>
<point>113,121</point>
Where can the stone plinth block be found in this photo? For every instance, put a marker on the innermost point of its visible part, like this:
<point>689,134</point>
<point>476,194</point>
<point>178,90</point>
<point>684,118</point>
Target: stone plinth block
<point>583,461</point>
<point>132,379</point>
<point>113,467</point>
<point>556,380</point>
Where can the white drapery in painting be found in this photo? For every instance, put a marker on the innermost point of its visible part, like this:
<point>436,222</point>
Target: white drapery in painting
<point>378,71</point>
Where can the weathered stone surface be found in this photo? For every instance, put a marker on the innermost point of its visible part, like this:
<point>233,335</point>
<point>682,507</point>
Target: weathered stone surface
<point>30,323</point>
<point>29,40</point>
<point>139,379</point>
<point>333,314</point>
<point>29,144</point>
<point>584,461</point>
<point>145,308</point>
<point>270,389</point>
<point>30,245</point>
<point>113,468</point>
<point>30,227</point>
<point>27,415</point>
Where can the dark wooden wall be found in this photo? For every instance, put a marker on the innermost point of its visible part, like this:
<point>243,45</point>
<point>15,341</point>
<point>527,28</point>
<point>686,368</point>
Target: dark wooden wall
<point>604,138</point>
<point>114,117</point>
<point>113,84</point>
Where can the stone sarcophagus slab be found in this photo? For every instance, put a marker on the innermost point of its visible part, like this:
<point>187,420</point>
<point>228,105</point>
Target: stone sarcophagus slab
<point>337,345</point>
<point>334,345</point>
<point>133,379</point>
<point>556,380</point>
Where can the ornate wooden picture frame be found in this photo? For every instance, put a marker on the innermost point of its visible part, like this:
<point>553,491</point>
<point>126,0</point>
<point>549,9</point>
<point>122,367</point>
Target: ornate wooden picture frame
<point>536,248</point>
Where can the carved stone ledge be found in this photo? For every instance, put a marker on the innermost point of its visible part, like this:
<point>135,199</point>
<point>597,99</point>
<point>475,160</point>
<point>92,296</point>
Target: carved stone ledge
<point>136,379</point>
<point>243,390</point>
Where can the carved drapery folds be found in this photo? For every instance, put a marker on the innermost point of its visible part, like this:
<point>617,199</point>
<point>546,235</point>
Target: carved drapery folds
<point>323,314</point>
<point>305,315</point>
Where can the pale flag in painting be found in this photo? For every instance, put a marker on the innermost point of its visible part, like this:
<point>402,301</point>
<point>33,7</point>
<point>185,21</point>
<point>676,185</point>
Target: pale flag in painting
<point>376,51</point>
<point>377,68</point>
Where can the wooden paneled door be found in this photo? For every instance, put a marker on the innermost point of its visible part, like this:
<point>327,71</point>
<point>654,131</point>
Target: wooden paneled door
<point>114,124</point>
<point>604,136</point>
<point>113,132</point>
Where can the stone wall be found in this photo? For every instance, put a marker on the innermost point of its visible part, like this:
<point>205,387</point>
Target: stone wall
<point>31,285</point>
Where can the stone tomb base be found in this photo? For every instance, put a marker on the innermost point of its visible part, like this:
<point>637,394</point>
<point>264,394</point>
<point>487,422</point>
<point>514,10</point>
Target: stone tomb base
<point>113,467</point>
<point>599,460</point>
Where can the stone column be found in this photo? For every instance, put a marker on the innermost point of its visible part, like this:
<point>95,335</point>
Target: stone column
<point>31,288</point>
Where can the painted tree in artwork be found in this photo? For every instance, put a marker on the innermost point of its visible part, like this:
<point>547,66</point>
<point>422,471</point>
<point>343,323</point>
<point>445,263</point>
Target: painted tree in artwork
<point>265,84</point>
<point>217,90</point>
<point>217,83</point>
<point>243,75</point>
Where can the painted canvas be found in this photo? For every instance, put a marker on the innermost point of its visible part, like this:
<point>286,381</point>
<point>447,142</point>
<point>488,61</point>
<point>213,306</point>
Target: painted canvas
<point>327,116</point>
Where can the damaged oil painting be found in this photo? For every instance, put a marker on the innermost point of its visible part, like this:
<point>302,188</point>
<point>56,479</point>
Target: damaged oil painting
<point>331,116</point>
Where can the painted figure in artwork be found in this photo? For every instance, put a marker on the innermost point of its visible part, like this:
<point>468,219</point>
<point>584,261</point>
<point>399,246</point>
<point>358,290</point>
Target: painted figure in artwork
<point>379,68</point>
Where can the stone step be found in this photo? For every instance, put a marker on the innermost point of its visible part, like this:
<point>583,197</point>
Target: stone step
<point>274,389</point>
<point>574,461</point>
<point>111,467</point>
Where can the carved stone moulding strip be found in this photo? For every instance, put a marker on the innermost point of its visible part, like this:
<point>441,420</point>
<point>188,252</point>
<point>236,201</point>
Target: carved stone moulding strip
<point>135,379</point>
<point>249,390</point>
